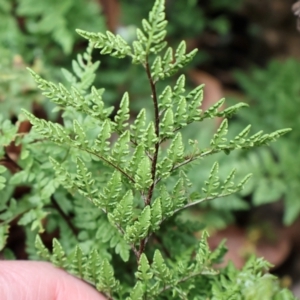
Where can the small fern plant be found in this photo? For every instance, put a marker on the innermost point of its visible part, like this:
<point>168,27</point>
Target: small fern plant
<point>114,186</point>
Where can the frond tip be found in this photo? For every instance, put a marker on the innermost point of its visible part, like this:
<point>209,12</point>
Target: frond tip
<point>111,44</point>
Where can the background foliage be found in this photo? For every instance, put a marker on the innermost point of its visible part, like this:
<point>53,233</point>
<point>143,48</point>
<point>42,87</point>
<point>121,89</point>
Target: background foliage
<point>276,172</point>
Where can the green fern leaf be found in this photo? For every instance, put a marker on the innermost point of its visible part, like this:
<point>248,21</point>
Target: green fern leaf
<point>107,282</point>
<point>123,212</point>
<point>122,115</point>
<point>137,129</point>
<point>212,184</point>
<point>92,268</point>
<point>137,293</point>
<point>97,108</point>
<point>58,257</point>
<point>176,149</point>
<point>213,110</point>
<point>165,98</point>
<point>143,176</point>
<point>2,178</point>
<point>150,138</point>
<point>120,150</point>
<point>219,139</point>
<point>166,202</point>
<point>156,214</point>
<point>179,88</point>
<point>181,116</point>
<point>144,272</point>
<point>140,228</point>
<point>230,111</point>
<point>101,143</point>
<point>228,185</point>
<point>111,44</point>
<point>111,193</point>
<point>161,272</point>
<point>196,98</point>
<point>123,249</point>
<point>79,263</point>
<point>155,28</point>
<point>4,230</point>
<point>41,249</point>
<point>167,125</point>
<point>178,195</point>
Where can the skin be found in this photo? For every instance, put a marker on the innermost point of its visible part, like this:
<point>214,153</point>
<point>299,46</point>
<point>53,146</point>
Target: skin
<point>30,280</point>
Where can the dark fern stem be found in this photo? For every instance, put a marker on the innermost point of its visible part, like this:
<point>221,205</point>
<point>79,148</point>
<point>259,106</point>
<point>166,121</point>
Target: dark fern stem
<point>154,160</point>
<point>156,112</point>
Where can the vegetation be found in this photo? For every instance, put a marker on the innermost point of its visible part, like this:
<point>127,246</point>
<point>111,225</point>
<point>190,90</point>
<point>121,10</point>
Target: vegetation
<point>111,186</point>
<point>275,169</point>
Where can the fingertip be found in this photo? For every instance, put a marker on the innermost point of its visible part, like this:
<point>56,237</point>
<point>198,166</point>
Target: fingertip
<point>41,280</point>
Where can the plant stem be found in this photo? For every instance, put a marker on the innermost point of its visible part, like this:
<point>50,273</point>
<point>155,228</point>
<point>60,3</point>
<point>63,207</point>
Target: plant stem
<point>156,125</point>
<point>64,216</point>
<point>155,156</point>
<point>195,202</point>
<point>109,163</point>
<point>180,281</point>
